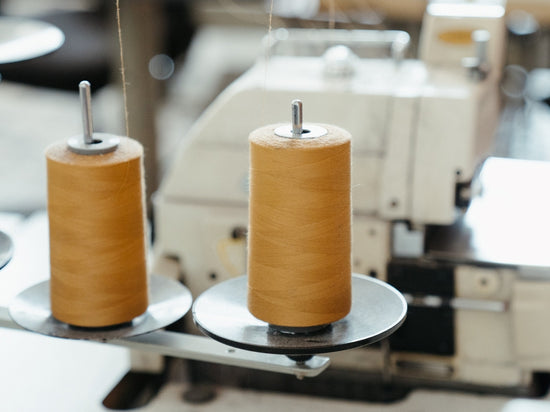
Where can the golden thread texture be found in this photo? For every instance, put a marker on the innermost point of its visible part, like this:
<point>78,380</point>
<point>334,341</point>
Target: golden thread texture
<point>299,250</point>
<point>97,235</point>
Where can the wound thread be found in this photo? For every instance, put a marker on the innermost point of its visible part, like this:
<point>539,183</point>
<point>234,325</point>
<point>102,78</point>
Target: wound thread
<point>97,235</point>
<point>299,244</point>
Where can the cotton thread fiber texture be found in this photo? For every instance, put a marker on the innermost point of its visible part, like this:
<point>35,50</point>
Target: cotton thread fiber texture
<point>97,235</point>
<point>299,243</point>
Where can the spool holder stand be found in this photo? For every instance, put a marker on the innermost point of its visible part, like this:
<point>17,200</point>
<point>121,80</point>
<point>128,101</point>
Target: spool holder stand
<point>220,312</point>
<point>377,309</point>
<point>168,300</point>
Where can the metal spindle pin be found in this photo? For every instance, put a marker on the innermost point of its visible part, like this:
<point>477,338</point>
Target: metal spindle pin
<point>86,107</point>
<point>90,143</point>
<point>297,129</point>
<point>297,117</point>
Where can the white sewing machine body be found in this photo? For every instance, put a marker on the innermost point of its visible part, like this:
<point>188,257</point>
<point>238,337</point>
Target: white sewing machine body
<point>420,128</point>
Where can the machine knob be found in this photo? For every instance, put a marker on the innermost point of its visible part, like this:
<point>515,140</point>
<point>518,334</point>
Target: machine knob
<point>478,66</point>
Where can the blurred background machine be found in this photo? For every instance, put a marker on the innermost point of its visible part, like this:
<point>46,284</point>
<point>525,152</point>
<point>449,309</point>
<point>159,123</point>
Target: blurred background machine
<point>422,129</point>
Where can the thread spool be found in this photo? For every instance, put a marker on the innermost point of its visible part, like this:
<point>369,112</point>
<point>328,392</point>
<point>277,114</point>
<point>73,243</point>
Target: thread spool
<point>97,227</point>
<point>299,250</point>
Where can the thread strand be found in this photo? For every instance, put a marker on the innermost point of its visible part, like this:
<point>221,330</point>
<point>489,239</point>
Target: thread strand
<point>122,68</point>
<point>267,57</point>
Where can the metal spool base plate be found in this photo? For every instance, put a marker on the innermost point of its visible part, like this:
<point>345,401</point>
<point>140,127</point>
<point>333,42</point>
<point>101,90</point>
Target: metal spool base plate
<point>377,311</point>
<point>168,301</point>
<point>6,249</point>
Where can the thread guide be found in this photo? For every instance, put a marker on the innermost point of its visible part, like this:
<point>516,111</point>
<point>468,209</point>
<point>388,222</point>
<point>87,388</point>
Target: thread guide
<point>90,143</point>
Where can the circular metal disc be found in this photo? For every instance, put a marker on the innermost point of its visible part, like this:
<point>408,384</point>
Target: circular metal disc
<point>23,39</point>
<point>168,301</point>
<point>377,310</point>
<point>6,249</point>
<point>309,131</point>
<point>103,143</point>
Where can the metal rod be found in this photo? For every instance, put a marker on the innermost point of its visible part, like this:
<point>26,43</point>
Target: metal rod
<point>86,106</point>
<point>297,117</point>
<point>186,346</point>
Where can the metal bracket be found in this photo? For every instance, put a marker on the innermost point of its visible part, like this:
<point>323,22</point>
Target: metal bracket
<point>201,348</point>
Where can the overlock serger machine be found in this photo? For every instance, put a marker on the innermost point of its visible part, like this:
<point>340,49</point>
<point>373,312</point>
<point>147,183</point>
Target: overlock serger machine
<point>421,130</point>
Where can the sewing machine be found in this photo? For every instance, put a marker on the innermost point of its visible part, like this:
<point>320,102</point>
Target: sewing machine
<point>421,129</point>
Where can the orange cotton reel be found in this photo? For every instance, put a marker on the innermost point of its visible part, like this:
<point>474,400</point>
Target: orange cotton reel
<point>97,235</point>
<point>299,245</point>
